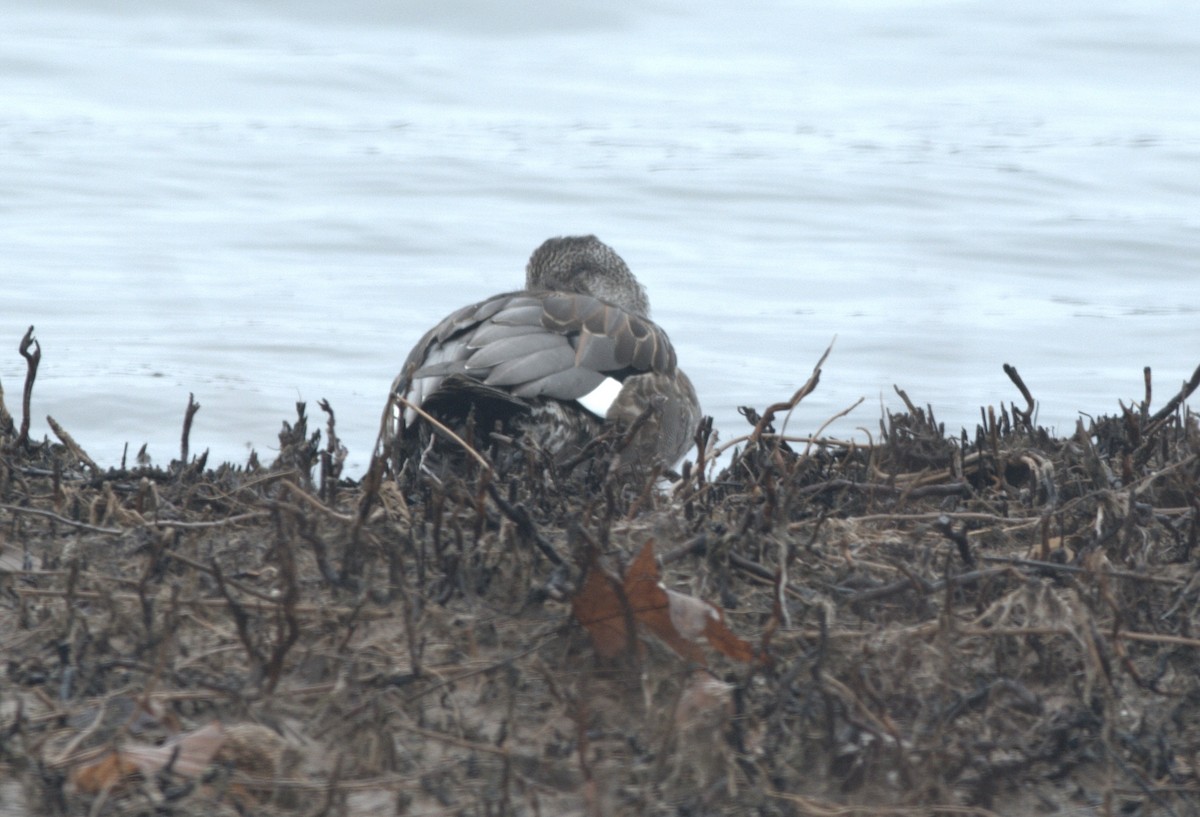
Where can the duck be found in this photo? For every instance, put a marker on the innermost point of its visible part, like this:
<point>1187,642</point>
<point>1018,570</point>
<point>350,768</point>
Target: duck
<point>549,368</point>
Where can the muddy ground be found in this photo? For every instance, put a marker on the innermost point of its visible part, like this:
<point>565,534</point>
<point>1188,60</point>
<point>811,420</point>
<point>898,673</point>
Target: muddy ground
<point>997,622</point>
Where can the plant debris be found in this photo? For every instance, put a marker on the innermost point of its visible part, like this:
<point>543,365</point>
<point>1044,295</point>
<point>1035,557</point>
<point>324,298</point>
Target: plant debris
<point>610,610</point>
<point>997,622</point>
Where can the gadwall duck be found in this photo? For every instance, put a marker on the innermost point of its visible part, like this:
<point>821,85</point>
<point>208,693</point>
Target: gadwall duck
<point>550,366</point>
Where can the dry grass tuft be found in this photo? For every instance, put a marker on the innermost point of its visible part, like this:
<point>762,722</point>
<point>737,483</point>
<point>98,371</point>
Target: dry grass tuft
<point>1003,623</point>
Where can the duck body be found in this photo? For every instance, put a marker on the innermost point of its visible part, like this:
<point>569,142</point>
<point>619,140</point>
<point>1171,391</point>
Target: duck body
<point>553,365</point>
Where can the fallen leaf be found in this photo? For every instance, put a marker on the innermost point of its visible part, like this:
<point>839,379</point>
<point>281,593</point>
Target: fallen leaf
<point>602,610</point>
<point>606,607</point>
<point>689,615</point>
<point>725,641</point>
<point>187,754</point>
<point>108,772</point>
<point>652,607</point>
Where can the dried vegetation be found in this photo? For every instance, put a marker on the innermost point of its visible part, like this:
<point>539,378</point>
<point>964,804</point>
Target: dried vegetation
<point>998,623</point>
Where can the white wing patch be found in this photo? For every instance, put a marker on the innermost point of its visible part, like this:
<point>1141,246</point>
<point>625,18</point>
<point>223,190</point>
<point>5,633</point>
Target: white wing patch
<point>600,399</point>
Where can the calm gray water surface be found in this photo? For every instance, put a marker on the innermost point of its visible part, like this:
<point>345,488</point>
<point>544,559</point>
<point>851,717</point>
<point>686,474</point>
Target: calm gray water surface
<point>270,202</point>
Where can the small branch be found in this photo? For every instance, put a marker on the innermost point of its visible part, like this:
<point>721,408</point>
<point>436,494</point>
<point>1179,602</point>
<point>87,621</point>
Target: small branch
<point>634,427</point>
<point>443,429</point>
<point>702,437</point>
<point>189,414</point>
<point>908,404</point>
<point>215,523</point>
<point>817,436</point>
<point>260,602</point>
<point>71,445</point>
<point>914,582</point>
<point>240,618</point>
<point>524,524</point>
<point>697,544</point>
<point>6,421</point>
<point>788,438</point>
<point>370,485</point>
<point>1129,635</point>
<point>331,458</point>
<point>1025,416</point>
<point>1057,568</point>
<point>287,627</point>
<point>62,519</point>
<point>1185,392</point>
<point>809,386</point>
<point>315,503</point>
<point>31,360</point>
<point>958,537</point>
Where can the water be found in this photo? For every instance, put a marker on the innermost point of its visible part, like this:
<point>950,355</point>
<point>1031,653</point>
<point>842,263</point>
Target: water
<point>267,203</point>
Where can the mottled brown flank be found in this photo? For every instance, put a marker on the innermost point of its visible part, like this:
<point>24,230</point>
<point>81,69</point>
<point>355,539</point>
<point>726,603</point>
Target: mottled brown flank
<point>1003,622</point>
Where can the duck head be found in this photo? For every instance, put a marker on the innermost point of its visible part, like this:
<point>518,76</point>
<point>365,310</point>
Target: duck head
<point>588,266</point>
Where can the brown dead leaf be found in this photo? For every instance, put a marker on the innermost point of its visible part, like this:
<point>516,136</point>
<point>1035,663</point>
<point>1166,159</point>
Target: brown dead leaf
<point>725,641</point>
<point>652,607</point>
<point>601,608</point>
<point>110,771</point>
<point>605,607</point>
<point>689,614</point>
<point>188,755</point>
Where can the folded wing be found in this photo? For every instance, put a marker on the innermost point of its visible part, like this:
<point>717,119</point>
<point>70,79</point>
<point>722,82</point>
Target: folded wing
<point>543,344</point>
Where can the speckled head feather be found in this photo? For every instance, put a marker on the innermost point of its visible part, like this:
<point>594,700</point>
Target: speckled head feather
<point>586,265</point>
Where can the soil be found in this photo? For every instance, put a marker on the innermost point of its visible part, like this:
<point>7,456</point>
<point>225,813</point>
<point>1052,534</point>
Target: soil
<point>1002,622</point>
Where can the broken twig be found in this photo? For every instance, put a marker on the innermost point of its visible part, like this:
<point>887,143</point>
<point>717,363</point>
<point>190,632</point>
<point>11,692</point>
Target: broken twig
<point>32,358</point>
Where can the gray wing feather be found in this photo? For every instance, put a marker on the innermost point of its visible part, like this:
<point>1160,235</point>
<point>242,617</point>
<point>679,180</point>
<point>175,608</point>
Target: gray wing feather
<point>532,367</point>
<point>467,317</point>
<point>570,384</point>
<point>492,331</point>
<point>596,352</point>
<point>507,350</point>
<point>521,312</point>
<point>442,369</point>
<point>442,360</point>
